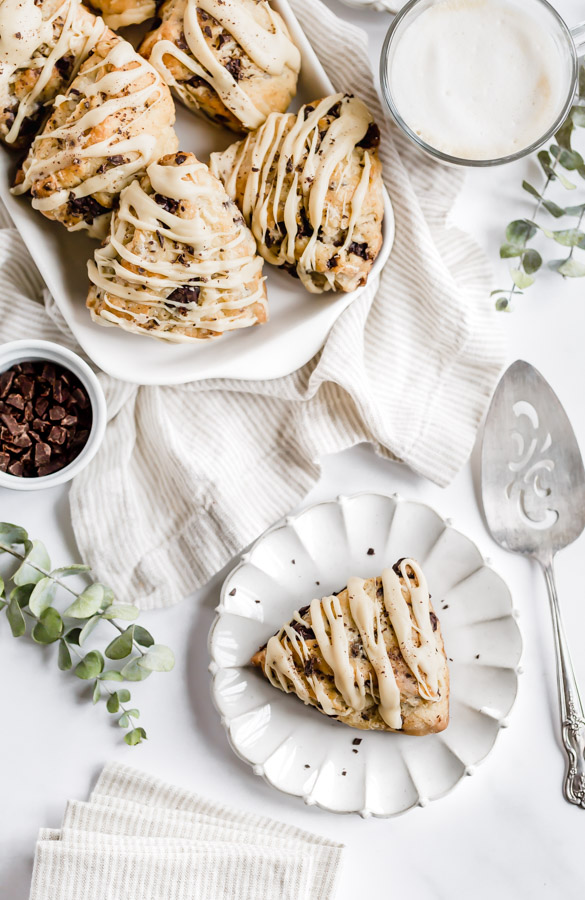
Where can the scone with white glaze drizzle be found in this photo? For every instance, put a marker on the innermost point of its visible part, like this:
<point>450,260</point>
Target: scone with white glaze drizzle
<point>232,60</point>
<point>120,13</point>
<point>116,117</point>
<point>42,45</point>
<point>310,187</point>
<point>371,656</point>
<point>179,263</point>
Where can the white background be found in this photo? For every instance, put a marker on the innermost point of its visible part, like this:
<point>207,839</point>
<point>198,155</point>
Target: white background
<point>505,832</point>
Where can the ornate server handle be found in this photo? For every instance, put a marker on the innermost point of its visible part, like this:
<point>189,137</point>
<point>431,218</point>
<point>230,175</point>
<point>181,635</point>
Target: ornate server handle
<point>573,718</point>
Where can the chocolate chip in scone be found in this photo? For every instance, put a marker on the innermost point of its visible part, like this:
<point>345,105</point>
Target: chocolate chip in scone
<point>167,203</point>
<point>307,633</point>
<point>181,42</point>
<point>434,621</point>
<point>335,110</point>
<point>308,110</point>
<point>333,261</point>
<point>207,30</point>
<point>64,66</point>
<point>310,666</point>
<point>180,158</point>
<point>371,138</point>
<point>305,228</point>
<point>87,208</point>
<point>234,67</point>
<point>359,249</point>
<point>222,39</point>
<point>185,294</point>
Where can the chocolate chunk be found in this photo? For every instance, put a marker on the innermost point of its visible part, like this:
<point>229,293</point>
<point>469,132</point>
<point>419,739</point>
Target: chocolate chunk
<point>60,392</point>
<point>207,30</point>
<point>68,421</point>
<point>16,400</point>
<point>234,67</point>
<point>305,229</point>
<point>6,379</point>
<point>307,633</point>
<point>116,160</point>
<point>23,384</point>
<point>371,551</point>
<point>57,435</point>
<point>359,249</point>
<point>167,203</point>
<point>56,413</point>
<point>17,468</point>
<point>86,208</point>
<point>222,39</point>
<point>4,461</point>
<point>333,261</point>
<point>434,621</point>
<point>180,158</point>
<point>371,138</point>
<point>185,294</point>
<point>42,453</point>
<point>11,424</point>
<point>356,742</point>
<point>308,110</point>
<point>181,42</point>
<point>310,666</point>
<point>22,441</point>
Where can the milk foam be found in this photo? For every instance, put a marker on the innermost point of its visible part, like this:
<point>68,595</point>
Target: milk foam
<point>479,79</point>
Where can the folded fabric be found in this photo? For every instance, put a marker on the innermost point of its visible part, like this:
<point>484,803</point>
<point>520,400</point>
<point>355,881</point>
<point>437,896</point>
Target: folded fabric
<point>116,848</point>
<point>197,471</point>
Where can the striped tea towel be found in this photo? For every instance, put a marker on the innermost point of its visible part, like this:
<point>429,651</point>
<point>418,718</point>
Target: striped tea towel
<point>189,475</point>
<point>132,842</point>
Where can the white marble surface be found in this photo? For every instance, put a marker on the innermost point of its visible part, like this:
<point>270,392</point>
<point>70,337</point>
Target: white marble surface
<point>505,832</point>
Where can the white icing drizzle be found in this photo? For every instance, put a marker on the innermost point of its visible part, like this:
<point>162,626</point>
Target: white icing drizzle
<point>270,48</point>
<point>174,252</point>
<point>287,653</point>
<point>78,35</point>
<point>133,14</point>
<point>115,91</point>
<point>287,143</point>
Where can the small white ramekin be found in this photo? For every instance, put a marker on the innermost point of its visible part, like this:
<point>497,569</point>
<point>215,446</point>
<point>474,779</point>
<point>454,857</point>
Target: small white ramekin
<point>33,351</point>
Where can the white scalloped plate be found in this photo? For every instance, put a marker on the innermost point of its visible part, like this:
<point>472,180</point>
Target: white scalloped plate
<point>300,751</point>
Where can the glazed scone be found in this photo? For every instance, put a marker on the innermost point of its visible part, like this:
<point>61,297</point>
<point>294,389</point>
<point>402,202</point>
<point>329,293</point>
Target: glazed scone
<point>179,263</point>
<point>116,118</point>
<point>371,656</point>
<point>310,187</point>
<point>120,13</point>
<point>42,45</point>
<point>232,60</point>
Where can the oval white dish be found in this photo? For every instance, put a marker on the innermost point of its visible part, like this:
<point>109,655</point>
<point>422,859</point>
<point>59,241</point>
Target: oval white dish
<point>302,752</point>
<point>299,321</point>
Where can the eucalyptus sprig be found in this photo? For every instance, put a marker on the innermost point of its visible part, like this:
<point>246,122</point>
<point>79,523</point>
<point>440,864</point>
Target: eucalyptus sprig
<point>27,598</point>
<point>559,159</point>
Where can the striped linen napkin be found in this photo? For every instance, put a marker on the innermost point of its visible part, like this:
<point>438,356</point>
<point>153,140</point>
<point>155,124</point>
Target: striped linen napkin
<point>189,475</point>
<point>140,838</point>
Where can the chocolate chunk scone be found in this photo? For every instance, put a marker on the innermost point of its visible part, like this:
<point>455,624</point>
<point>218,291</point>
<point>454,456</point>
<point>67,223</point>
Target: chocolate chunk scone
<point>310,187</point>
<point>232,60</point>
<point>371,656</point>
<point>42,45</point>
<point>179,263</point>
<point>116,117</point>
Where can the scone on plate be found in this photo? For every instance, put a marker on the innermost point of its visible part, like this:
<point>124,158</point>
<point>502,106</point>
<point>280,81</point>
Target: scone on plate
<point>179,263</point>
<point>116,117</point>
<point>310,187</point>
<point>371,656</point>
<point>120,13</point>
<point>232,60</point>
<point>42,45</point>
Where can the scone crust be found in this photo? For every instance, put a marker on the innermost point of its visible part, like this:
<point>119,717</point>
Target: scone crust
<point>268,92</point>
<point>170,321</point>
<point>419,716</point>
<point>121,13</point>
<point>335,264</point>
<point>152,117</point>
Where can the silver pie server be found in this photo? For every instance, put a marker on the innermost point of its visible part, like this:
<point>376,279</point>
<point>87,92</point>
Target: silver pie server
<point>533,488</point>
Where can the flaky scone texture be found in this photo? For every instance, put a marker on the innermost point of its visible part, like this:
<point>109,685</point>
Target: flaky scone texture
<point>116,118</point>
<point>120,13</point>
<point>295,661</point>
<point>179,263</point>
<point>231,60</point>
<point>310,187</point>
<point>63,33</point>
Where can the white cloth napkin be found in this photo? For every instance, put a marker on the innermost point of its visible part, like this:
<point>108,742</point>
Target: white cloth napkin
<point>131,843</point>
<point>189,475</point>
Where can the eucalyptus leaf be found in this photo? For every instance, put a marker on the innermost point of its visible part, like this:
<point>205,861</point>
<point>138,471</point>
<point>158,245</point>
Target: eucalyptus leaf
<point>569,268</point>
<point>113,703</point>
<point>565,182</point>
<point>3,604</point>
<point>87,629</point>
<point>15,618</point>
<point>502,304</point>
<point>121,646</point>
<point>124,695</point>
<point>521,279</point>
<point>108,597</point>
<point>157,659</point>
<point>111,675</point>
<point>90,666</point>
<point>142,636</point>
<point>66,571</point>
<point>128,714</point>
<point>49,628</point>
<point>123,611</point>
<point>12,534</point>
<point>553,208</point>
<point>575,210</point>
<point>72,636</point>
<point>531,261</point>
<point>564,135</point>
<point>520,232</point>
<point>133,672</point>
<point>2,586</point>
<point>36,556</point>
<point>97,692</point>
<point>87,604</point>
<point>22,594</point>
<point>136,736</point>
<point>545,161</point>
<point>64,657</point>
<point>507,251</point>
<point>578,116</point>
<point>568,159</point>
<point>570,237</point>
<point>42,596</point>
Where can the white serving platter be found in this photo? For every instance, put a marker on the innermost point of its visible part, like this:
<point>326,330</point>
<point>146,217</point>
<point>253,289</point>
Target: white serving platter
<point>300,751</point>
<point>299,321</point>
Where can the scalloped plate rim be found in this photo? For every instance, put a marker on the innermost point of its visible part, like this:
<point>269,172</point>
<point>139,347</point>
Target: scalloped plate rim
<point>214,667</point>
